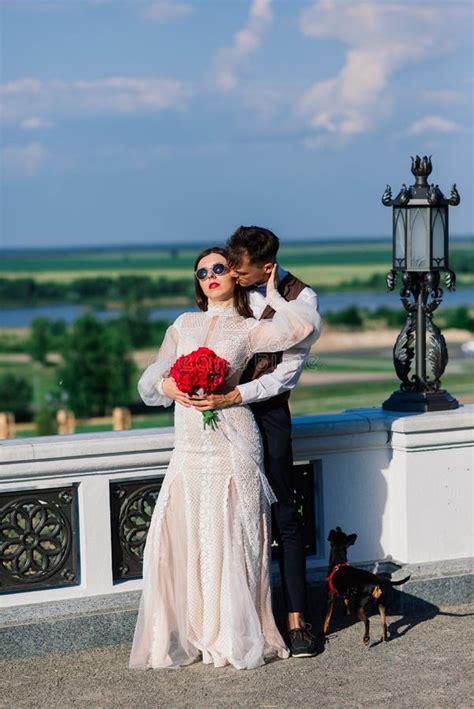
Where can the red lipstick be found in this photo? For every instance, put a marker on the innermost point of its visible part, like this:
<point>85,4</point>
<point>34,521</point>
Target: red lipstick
<point>214,284</point>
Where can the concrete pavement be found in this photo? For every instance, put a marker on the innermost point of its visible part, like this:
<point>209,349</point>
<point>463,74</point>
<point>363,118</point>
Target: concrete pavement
<point>426,663</point>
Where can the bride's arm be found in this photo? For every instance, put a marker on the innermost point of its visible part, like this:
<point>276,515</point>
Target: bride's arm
<point>150,385</point>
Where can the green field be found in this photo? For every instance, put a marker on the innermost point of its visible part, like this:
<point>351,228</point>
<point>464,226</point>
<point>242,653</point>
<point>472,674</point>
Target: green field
<point>181,260</point>
<point>331,398</point>
<point>323,265</point>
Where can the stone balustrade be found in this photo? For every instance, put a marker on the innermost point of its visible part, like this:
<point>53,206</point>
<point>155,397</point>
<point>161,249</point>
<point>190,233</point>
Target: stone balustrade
<point>74,509</point>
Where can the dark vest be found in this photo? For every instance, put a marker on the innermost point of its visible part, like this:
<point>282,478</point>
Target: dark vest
<point>265,362</point>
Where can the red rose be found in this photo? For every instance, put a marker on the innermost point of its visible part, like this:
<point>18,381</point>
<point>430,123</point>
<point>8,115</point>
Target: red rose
<point>202,370</point>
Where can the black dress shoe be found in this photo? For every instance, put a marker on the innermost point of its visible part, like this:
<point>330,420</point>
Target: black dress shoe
<point>302,642</point>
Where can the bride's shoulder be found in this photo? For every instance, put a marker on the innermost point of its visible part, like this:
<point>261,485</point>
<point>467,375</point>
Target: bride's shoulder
<point>189,319</point>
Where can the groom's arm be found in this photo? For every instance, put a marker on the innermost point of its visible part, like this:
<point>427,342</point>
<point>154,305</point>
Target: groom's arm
<point>283,378</point>
<point>286,375</point>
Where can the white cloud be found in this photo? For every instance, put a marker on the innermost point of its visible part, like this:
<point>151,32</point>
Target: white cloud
<point>24,159</point>
<point>20,86</point>
<point>35,123</point>
<point>164,11</point>
<point>113,95</point>
<point>445,96</point>
<point>381,39</point>
<point>127,95</point>
<point>433,124</point>
<point>230,60</point>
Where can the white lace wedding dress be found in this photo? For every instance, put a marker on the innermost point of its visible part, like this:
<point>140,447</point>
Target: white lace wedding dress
<point>206,587</point>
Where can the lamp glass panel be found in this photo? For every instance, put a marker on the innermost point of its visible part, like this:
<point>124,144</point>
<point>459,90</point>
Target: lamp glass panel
<point>400,231</point>
<point>419,239</point>
<point>438,222</point>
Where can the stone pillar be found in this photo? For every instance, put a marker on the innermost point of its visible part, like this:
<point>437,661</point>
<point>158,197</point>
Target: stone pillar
<point>7,425</point>
<point>66,422</point>
<point>430,486</point>
<point>402,482</point>
<point>122,420</point>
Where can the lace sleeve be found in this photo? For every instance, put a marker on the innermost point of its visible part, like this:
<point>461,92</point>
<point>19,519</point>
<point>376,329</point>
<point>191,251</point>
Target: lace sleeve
<point>294,321</point>
<point>149,386</point>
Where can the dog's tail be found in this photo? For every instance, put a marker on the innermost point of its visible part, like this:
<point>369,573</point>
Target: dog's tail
<point>399,583</point>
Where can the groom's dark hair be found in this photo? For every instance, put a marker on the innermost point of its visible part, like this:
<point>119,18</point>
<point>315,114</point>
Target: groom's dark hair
<point>259,243</point>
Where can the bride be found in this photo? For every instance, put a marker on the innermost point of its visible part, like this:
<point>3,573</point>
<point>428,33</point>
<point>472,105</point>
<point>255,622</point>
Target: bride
<point>206,589</point>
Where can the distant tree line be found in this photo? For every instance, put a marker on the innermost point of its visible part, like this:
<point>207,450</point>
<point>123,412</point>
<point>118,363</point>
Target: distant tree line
<point>96,372</point>
<point>354,317</point>
<point>134,326</point>
<point>376,282</point>
<point>137,288</point>
<point>29,291</point>
<point>48,335</point>
<point>462,261</point>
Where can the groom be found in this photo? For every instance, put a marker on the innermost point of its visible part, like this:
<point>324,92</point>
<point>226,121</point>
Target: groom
<point>265,386</point>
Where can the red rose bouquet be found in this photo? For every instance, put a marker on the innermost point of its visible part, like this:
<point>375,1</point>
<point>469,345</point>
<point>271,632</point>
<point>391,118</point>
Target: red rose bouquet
<point>201,372</point>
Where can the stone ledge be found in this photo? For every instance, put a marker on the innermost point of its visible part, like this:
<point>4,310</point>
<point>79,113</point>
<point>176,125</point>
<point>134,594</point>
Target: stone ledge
<point>85,445</point>
<point>93,453</point>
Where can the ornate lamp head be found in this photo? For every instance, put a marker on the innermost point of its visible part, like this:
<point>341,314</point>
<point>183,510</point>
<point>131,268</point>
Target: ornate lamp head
<point>420,221</point>
<point>421,168</point>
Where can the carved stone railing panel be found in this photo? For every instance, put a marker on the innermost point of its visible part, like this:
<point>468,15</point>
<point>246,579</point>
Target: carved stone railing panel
<point>38,539</point>
<point>131,506</point>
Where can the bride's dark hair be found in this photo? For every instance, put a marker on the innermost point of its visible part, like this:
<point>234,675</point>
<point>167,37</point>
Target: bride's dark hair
<point>240,294</point>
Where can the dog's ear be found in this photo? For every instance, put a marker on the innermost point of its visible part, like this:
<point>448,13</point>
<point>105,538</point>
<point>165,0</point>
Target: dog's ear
<point>351,539</point>
<point>331,536</point>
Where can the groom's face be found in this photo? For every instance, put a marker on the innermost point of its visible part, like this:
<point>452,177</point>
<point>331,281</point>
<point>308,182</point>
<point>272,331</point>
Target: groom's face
<point>248,274</point>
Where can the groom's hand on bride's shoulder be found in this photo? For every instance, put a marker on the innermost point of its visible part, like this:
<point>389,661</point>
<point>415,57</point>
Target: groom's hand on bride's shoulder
<point>172,392</point>
<point>217,401</point>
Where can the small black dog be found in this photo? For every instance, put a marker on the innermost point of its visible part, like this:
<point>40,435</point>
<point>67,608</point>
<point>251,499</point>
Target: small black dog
<point>356,586</point>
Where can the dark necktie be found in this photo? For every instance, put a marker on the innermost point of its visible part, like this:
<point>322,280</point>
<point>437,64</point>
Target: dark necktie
<point>262,289</point>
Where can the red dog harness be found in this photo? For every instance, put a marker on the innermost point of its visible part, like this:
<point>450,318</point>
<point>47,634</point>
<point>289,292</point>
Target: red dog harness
<point>332,574</point>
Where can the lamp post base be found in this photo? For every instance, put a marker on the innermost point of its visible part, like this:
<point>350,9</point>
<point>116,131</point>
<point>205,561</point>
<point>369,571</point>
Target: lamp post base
<point>420,401</point>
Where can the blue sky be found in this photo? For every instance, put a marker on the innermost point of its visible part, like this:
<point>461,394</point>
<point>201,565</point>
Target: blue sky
<point>130,121</point>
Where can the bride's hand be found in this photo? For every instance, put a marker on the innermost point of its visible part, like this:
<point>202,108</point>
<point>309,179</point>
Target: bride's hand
<point>272,281</point>
<point>211,402</point>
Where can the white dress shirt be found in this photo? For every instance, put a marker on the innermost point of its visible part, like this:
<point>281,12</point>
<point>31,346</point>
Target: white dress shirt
<point>286,375</point>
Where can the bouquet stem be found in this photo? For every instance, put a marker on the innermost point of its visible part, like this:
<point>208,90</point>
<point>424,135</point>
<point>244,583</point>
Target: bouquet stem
<point>210,419</point>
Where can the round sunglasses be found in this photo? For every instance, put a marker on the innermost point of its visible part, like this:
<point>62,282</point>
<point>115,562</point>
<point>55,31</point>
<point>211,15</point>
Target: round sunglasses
<point>218,269</point>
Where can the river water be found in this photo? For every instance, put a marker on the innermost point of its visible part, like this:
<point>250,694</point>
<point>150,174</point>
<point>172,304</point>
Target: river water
<point>22,317</point>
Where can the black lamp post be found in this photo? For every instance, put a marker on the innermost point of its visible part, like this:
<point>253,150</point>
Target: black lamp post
<point>420,253</point>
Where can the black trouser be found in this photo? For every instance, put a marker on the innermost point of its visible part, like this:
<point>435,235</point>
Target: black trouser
<point>274,422</point>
